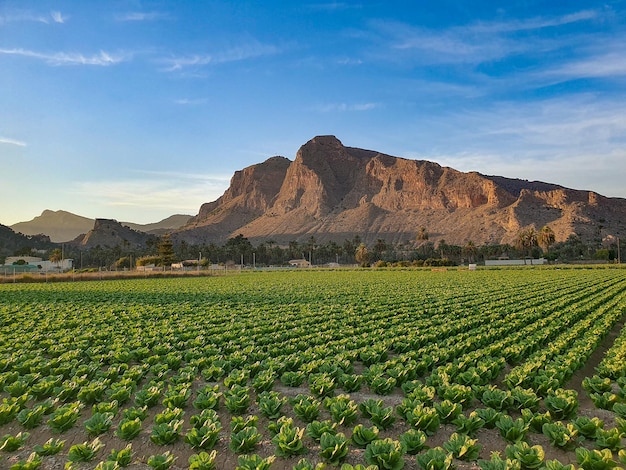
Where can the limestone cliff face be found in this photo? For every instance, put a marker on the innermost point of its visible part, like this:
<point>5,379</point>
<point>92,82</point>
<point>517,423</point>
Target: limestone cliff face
<point>335,192</point>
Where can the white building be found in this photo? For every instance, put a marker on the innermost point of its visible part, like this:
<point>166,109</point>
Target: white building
<point>39,263</point>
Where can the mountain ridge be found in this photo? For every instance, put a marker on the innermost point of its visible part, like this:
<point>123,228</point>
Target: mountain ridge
<point>63,226</point>
<point>333,192</point>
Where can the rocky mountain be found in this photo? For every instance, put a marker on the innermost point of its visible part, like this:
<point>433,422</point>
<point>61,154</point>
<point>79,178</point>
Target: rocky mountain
<point>111,233</point>
<point>62,226</point>
<point>333,192</point>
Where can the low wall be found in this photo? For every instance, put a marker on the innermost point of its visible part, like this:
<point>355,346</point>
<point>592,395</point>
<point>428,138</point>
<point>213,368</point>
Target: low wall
<point>514,262</point>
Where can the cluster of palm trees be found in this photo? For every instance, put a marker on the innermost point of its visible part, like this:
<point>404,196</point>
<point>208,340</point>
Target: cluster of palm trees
<point>529,238</point>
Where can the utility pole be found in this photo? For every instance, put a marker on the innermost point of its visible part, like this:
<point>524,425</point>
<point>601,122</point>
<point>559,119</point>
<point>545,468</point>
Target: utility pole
<point>619,257</point>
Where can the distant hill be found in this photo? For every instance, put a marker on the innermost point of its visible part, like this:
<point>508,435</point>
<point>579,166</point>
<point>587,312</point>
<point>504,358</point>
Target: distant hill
<point>160,228</point>
<point>10,242</point>
<point>333,192</point>
<point>62,226</point>
<point>111,233</point>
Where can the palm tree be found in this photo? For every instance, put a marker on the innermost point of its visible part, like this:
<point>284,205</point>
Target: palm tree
<point>546,238</point>
<point>56,256</point>
<point>362,255</point>
<point>470,250</point>
<point>422,235</point>
<point>526,240</point>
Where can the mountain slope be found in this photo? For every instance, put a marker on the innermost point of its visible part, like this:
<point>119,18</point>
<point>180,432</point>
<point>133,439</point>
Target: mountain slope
<point>333,192</point>
<point>60,226</point>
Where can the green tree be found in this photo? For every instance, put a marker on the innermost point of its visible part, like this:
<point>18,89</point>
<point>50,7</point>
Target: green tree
<point>470,250</point>
<point>546,238</point>
<point>526,240</point>
<point>166,250</point>
<point>56,256</point>
<point>362,255</point>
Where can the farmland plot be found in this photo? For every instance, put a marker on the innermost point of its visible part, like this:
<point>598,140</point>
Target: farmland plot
<point>394,369</point>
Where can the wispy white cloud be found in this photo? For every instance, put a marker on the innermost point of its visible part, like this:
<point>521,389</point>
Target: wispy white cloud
<point>532,23</point>
<point>603,65</point>
<point>345,107</point>
<point>576,141</point>
<point>349,61</point>
<point>141,16</point>
<point>249,50</point>
<point>19,16</point>
<point>70,58</point>
<point>58,17</point>
<point>190,102</point>
<point>473,43</point>
<point>8,141</point>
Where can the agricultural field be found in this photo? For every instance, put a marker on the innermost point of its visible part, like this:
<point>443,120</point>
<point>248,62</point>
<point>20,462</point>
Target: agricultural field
<point>389,369</point>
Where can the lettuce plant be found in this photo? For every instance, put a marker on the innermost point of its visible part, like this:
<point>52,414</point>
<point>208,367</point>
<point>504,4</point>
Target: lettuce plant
<point>122,457</point>
<point>588,427</point>
<point>362,436</point>
<point>204,437</point>
<point>161,461</point>
<point>254,462</point>
<point>306,408</point>
<point>385,453</point>
<point>413,441</point>
<point>166,433</point>
<point>563,436</point>
<point>447,410</point>
<point>99,423</point>
<point>203,461</point>
<point>10,443</point>
<point>270,404</point>
<point>316,429</point>
<point>245,440</point>
<point>334,447</point>
<point>342,409</point>
<point>288,441</point>
<point>562,404</point>
<point>512,430</point>
<point>51,447</point>
<point>529,457</point>
<point>128,429</point>
<point>237,423</point>
<point>84,452</point>
<point>595,459</point>
<point>435,459</point>
<point>462,447</point>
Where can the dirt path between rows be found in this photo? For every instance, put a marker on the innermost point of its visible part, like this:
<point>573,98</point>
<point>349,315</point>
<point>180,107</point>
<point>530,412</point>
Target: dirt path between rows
<point>589,369</point>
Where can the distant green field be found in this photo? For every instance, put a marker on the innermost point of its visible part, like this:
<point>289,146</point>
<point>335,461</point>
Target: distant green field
<point>387,368</point>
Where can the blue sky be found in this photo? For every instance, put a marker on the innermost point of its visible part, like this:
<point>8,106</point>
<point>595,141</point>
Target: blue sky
<point>136,110</point>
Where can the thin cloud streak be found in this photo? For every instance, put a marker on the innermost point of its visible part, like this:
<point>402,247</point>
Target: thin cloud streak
<point>53,17</point>
<point>475,43</point>
<point>345,107</point>
<point>240,53</point>
<point>533,23</point>
<point>7,141</point>
<point>140,16</point>
<point>65,58</point>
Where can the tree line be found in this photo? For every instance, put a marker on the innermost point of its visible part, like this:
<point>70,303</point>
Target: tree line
<point>239,250</point>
